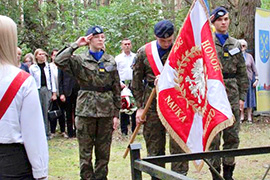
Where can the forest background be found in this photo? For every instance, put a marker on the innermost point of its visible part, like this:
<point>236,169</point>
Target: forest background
<point>49,24</point>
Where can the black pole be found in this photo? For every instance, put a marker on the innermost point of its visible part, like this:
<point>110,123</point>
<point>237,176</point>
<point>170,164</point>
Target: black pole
<point>213,169</point>
<point>266,172</point>
<point>135,155</point>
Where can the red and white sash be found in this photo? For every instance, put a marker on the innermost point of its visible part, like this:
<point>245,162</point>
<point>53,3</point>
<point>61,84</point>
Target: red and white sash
<point>153,57</point>
<point>12,91</point>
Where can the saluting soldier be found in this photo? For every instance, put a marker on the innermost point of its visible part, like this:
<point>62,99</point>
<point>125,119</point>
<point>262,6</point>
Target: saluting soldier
<point>236,82</point>
<point>98,101</point>
<point>154,54</point>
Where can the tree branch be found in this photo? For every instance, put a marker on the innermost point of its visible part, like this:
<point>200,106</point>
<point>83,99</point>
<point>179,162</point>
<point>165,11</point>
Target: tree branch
<point>231,3</point>
<point>189,1</point>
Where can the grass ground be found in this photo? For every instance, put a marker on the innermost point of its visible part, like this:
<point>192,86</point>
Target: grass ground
<point>64,158</point>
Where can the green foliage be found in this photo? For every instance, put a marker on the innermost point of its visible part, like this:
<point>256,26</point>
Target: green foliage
<point>121,19</point>
<point>124,19</point>
<point>5,9</point>
<point>53,24</point>
<point>266,4</point>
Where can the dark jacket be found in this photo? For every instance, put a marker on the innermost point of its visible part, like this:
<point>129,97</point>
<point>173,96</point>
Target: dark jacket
<point>24,67</point>
<point>67,83</point>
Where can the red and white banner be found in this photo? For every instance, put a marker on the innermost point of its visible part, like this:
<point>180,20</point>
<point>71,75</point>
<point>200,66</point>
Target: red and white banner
<point>191,95</point>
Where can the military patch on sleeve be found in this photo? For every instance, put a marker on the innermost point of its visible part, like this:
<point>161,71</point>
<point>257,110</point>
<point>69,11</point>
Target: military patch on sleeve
<point>226,54</point>
<point>234,51</point>
<point>101,70</point>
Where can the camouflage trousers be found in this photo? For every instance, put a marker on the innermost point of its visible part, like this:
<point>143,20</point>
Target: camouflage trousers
<point>231,140</point>
<point>179,167</point>
<point>94,132</point>
<point>155,138</point>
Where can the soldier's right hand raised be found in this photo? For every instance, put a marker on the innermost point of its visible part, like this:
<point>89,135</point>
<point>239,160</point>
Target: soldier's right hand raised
<point>85,40</point>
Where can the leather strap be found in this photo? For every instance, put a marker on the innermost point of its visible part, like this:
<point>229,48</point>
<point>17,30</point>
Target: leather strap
<point>12,91</point>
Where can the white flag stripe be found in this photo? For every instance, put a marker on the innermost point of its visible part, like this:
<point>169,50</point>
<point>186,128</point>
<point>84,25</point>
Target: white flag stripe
<point>198,20</point>
<point>195,140</point>
<point>222,104</point>
<point>156,56</point>
<point>165,80</point>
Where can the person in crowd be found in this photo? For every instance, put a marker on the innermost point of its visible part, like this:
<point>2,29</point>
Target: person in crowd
<point>58,103</point>
<point>23,144</point>
<point>21,65</point>
<point>42,73</point>
<point>124,62</point>
<point>250,101</point>
<point>28,59</point>
<point>68,91</point>
<point>236,83</point>
<point>98,101</point>
<point>142,84</point>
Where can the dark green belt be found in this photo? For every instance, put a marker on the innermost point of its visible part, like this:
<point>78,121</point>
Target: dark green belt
<point>98,89</point>
<point>229,76</point>
<point>151,84</point>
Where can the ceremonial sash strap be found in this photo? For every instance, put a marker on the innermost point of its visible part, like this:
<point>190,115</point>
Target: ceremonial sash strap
<point>12,91</point>
<point>153,57</point>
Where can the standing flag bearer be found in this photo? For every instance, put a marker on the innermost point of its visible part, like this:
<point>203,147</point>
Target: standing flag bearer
<point>149,63</point>
<point>192,102</point>
<point>236,82</point>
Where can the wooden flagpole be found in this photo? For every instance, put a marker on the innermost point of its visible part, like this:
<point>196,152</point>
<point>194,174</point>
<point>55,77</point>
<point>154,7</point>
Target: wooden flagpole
<point>148,103</point>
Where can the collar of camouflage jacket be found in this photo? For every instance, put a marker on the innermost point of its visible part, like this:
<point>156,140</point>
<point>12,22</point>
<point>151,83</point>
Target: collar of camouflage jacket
<point>87,56</point>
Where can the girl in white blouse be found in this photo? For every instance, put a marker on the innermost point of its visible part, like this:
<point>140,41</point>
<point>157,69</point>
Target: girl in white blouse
<point>23,145</point>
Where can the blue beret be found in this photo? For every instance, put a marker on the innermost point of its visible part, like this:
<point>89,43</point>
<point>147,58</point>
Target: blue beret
<point>94,30</point>
<point>164,29</point>
<point>218,12</point>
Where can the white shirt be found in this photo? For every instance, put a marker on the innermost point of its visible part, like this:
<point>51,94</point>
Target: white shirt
<point>124,63</point>
<point>54,72</point>
<point>23,121</point>
<point>36,73</point>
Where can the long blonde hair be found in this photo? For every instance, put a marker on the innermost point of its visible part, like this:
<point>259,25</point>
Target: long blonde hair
<point>36,52</point>
<point>8,41</point>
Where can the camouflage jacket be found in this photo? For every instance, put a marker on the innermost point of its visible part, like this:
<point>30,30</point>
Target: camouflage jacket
<point>87,72</point>
<point>143,79</point>
<point>234,67</point>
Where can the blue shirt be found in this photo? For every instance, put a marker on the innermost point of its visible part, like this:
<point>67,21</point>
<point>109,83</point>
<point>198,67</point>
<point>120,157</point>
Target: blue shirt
<point>222,38</point>
<point>96,55</point>
<point>161,51</point>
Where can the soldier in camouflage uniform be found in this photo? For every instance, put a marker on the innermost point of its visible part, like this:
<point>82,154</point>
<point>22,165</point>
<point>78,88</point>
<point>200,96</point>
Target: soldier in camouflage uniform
<point>98,101</point>
<point>236,82</point>
<point>142,84</point>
